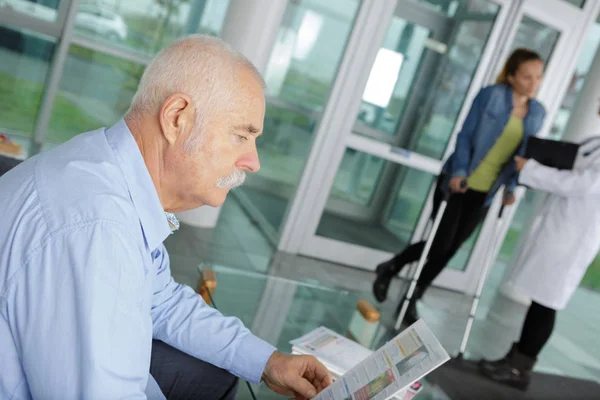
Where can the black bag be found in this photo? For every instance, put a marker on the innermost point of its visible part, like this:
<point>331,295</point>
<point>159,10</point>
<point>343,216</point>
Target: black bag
<point>552,153</point>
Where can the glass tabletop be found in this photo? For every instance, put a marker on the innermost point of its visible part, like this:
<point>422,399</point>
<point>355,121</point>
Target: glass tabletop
<point>279,310</point>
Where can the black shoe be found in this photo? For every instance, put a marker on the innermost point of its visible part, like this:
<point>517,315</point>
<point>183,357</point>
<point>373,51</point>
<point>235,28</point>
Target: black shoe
<point>490,365</point>
<point>385,273</point>
<point>513,370</point>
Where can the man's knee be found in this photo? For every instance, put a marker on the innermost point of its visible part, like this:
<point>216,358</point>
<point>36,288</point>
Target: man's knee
<point>181,376</point>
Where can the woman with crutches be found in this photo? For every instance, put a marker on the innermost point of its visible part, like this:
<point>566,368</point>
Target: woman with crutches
<point>501,118</point>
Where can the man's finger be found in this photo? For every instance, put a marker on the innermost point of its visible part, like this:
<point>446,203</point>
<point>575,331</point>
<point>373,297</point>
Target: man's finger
<point>303,388</point>
<point>320,373</point>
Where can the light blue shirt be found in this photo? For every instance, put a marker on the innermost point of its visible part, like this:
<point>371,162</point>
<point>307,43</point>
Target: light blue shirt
<point>85,282</point>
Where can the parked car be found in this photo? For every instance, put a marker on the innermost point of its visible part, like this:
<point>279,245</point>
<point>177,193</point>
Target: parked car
<point>101,22</point>
<point>32,8</point>
<point>89,18</point>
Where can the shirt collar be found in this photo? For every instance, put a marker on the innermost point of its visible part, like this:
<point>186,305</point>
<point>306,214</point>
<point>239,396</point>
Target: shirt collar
<point>141,188</point>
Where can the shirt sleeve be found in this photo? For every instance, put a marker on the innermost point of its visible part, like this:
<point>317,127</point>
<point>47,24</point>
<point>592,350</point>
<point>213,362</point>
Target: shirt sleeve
<point>78,320</point>
<point>464,140</point>
<point>566,183</point>
<point>183,320</point>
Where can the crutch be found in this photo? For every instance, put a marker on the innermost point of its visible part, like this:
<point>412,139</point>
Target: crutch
<point>423,259</point>
<point>487,266</point>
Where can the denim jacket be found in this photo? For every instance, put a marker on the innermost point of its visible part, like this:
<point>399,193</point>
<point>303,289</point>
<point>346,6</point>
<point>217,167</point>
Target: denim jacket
<point>485,122</point>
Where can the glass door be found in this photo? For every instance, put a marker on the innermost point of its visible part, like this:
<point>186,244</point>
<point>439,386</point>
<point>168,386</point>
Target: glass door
<point>417,84</point>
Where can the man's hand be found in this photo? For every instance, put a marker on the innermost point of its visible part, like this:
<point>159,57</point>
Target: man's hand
<point>508,198</point>
<point>520,163</point>
<point>459,184</point>
<point>299,376</point>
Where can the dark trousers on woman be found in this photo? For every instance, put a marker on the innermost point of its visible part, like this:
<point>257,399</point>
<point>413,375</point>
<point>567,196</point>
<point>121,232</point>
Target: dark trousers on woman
<point>463,213</point>
<point>181,376</point>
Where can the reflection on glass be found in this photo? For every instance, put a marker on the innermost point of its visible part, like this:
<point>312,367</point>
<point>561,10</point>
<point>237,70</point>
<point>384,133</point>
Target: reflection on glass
<point>95,91</point>
<point>357,177</point>
<point>383,78</point>
<point>434,77</point>
<point>537,37</point>
<point>431,134</point>
<point>299,76</point>
<point>46,10</point>
<point>409,201</point>
<point>591,279</point>
<point>578,3</point>
<point>448,7</point>
<point>392,76</point>
<point>25,57</point>
<point>460,260</point>
<point>145,26</point>
<point>584,63</point>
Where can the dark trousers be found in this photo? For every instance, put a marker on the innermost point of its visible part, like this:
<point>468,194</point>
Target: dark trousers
<point>537,329</point>
<point>181,376</point>
<point>463,213</point>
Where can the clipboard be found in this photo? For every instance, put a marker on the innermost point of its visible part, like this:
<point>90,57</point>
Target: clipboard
<point>552,153</point>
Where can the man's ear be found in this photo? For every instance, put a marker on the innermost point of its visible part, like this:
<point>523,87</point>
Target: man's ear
<point>176,117</point>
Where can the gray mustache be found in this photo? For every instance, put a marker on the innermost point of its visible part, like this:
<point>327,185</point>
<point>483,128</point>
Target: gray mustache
<point>233,180</point>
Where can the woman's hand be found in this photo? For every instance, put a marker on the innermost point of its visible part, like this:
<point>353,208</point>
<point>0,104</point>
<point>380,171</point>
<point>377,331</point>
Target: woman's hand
<point>459,184</point>
<point>520,163</point>
<point>508,198</point>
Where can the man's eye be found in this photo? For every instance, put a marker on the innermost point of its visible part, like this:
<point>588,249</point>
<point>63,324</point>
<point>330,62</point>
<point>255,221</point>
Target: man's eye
<point>242,137</point>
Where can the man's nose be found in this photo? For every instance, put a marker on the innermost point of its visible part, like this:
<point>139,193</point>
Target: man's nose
<point>249,163</point>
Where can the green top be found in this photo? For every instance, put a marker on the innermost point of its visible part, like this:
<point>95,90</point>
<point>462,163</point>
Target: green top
<point>484,176</point>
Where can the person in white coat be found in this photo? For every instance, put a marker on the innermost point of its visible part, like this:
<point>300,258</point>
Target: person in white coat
<point>563,241</point>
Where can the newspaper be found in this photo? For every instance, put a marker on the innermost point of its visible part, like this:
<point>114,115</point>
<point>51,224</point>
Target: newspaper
<point>393,368</point>
<point>338,353</point>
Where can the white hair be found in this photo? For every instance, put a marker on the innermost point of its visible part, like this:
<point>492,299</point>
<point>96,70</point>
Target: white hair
<point>202,67</point>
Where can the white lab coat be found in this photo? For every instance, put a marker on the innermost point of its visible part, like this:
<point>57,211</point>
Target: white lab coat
<point>564,237</point>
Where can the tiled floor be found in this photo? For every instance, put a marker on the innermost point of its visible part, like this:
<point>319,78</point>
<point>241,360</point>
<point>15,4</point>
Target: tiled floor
<point>236,242</point>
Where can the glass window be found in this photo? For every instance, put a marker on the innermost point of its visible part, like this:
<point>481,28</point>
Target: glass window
<point>357,176</point>
<point>431,133</point>
<point>25,60</point>
<point>95,91</point>
<point>584,63</point>
<point>537,37</point>
<point>460,260</point>
<point>591,280</point>
<point>300,73</point>
<point>448,7</point>
<point>418,82</point>
<point>46,10</point>
<point>145,26</point>
<point>396,68</point>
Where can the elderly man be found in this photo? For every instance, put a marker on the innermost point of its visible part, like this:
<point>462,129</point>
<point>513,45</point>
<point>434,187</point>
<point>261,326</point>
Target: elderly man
<point>85,283</point>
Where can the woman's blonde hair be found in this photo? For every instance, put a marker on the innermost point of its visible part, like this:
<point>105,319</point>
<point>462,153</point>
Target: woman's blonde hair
<point>516,59</point>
